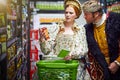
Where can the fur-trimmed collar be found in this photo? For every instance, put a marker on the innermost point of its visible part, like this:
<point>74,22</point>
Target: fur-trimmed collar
<point>101,21</point>
<point>75,27</point>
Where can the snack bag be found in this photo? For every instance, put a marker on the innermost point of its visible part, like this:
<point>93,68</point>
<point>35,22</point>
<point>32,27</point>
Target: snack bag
<point>44,31</point>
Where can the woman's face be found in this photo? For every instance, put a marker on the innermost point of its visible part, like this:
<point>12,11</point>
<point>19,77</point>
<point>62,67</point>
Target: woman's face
<point>70,14</point>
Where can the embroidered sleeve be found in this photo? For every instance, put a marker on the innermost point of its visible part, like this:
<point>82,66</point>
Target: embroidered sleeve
<point>47,46</point>
<point>81,47</point>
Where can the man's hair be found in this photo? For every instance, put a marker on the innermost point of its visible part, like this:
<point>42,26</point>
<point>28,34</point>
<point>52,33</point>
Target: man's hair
<point>92,6</point>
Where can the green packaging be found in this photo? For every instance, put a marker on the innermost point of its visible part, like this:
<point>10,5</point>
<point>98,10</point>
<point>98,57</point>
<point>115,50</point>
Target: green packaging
<point>63,53</point>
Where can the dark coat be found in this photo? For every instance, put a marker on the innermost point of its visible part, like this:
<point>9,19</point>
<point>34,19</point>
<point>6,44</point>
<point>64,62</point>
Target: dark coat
<point>112,30</point>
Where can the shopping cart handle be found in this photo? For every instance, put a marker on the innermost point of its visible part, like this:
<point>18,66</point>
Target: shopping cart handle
<point>86,64</point>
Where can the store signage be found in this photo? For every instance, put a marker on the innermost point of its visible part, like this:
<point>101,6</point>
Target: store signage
<point>46,20</point>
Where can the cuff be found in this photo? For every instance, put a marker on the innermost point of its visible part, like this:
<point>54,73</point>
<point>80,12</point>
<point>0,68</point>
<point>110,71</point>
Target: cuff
<point>118,63</point>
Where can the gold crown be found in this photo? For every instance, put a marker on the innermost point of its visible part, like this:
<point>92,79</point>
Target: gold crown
<point>73,2</point>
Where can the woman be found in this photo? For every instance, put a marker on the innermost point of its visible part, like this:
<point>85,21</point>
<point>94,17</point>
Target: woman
<point>68,36</point>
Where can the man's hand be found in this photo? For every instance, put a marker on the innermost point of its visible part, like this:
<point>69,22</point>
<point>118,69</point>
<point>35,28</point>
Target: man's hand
<point>113,67</point>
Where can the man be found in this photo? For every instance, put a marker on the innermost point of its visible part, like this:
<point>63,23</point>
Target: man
<point>103,36</point>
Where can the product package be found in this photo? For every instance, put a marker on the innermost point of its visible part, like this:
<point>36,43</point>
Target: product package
<point>44,31</point>
<point>63,53</point>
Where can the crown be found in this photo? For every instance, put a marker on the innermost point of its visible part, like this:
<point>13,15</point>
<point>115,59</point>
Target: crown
<point>73,2</point>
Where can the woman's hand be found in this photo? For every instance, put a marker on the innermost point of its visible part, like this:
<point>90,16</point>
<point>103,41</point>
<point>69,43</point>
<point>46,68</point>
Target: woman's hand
<point>67,57</point>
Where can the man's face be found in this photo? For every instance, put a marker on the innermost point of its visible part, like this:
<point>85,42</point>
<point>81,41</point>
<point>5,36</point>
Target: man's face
<point>89,17</point>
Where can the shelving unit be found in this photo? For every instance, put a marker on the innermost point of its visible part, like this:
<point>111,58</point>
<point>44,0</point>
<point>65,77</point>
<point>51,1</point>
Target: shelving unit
<point>14,42</point>
<point>3,53</point>
<point>114,7</point>
<point>110,5</point>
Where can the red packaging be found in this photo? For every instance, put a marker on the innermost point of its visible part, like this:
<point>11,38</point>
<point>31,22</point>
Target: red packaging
<point>44,31</point>
<point>32,45</point>
<point>33,69</point>
<point>34,55</point>
<point>34,34</point>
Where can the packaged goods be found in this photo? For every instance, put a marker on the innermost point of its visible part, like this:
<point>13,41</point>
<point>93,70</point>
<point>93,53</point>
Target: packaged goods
<point>63,53</point>
<point>44,31</point>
